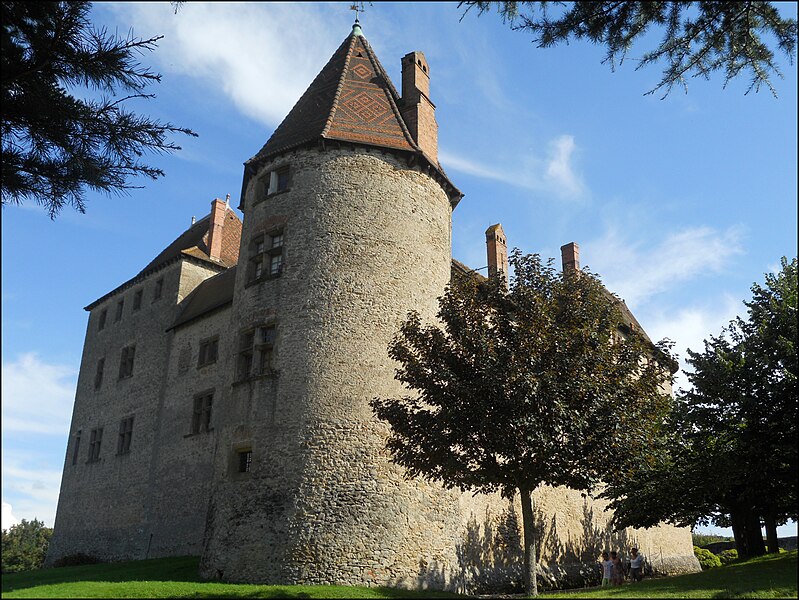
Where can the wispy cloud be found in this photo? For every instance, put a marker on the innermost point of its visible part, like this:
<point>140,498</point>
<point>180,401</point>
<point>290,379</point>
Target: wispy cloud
<point>639,270</point>
<point>37,397</point>
<point>689,326</point>
<point>255,53</point>
<point>29,486</point>
<point>555,173</point>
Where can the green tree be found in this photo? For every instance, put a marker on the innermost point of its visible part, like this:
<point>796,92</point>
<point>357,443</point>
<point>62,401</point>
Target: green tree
<point>25,546</point>
<point>524,386</point>
<point>698,38</point>
<point>730,453</point>
<point>55,143</point>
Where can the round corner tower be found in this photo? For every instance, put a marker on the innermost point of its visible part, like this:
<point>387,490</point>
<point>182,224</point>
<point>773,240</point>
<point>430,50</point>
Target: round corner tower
<point>347,228</point>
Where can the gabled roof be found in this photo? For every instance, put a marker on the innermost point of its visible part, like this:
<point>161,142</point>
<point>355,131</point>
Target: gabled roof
<point>212,294</point>
<point>351,100</point>
<point>192,244</point>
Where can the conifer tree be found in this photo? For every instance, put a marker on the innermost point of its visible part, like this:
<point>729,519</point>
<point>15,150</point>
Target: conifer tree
<point>65,88</point>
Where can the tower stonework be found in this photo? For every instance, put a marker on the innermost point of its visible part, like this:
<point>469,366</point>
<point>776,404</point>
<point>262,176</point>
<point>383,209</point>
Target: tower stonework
<point>258,347</point>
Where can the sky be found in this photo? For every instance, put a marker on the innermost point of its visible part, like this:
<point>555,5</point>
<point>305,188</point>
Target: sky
<point>679,204</point>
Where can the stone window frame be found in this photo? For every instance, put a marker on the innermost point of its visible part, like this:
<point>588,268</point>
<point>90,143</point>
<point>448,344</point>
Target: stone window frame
<point>242,461</point>
<point>98,374</point>
<point>208,353</point>
<point>137,298</point>
<point>126,359</point>
<point>102,319</point>
<point>265,256</point>
<point>275,181</point>
<point>125,435</point>
<point>76,447</point>
<point>255,352</point>
<point>158,291</point>
<point>202,412</point>
<point>95,442</point>
<point>120,310</point>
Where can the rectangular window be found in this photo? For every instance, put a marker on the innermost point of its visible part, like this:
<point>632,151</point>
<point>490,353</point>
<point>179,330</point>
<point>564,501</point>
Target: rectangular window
<point>278,180</point>
<point>209,350</point>
<point>98,376</point>
<point>120,305</point>
<point>76,448</point>
<point>245,460</point>
<point>201,418</point>
<point>95,440</point>
<point>255,351</point>
<point>126,362</point>
<point>103,317</point>
<point>159,289</point>
<point>265,257</point>
<point>137,299</point>
<point>125,435</point>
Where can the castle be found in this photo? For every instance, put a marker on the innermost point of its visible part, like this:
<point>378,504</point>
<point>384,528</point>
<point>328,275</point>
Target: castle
<point>222,402</point>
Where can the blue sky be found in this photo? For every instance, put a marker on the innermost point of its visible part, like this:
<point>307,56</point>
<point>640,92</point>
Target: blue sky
<point>679,204</point>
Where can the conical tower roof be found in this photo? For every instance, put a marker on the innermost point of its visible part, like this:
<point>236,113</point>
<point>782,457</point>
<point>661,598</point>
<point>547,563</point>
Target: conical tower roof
<point>350,100</point>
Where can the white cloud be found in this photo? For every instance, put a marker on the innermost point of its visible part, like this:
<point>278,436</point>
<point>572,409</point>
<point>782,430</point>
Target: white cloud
<point>559,166</point>
<point>689,326</point>
<point>37,397</point>
<point>8,518</point>
<point>555,174</point>
<point>637,272</point>
<point>30,482</point>
<point>257,54</point>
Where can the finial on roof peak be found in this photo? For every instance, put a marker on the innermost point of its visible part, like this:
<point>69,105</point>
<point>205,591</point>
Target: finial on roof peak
<point>356,28</point>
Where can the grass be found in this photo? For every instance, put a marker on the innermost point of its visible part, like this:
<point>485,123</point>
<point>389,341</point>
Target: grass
<point>772,576</point>
<point>171,578</point>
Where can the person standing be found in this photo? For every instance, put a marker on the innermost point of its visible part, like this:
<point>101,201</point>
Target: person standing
<point>636,564</point>
<point>607,569</point>
<point>617,569</point>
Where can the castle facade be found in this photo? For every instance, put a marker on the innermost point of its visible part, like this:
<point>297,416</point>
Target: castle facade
<point>222,407</point>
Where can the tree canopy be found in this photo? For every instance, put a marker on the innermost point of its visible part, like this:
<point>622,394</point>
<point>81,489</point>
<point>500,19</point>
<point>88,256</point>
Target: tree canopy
<point>730,455</point>
<point>524,386</point>
<point>698,38</point>
<point>65,125</point>
<point>25,546</point>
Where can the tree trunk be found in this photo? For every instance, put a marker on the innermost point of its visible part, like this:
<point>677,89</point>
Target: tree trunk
<point>771,534</point>
<point>530,560</point>
<point>754,534</point>
<point>738,533</point>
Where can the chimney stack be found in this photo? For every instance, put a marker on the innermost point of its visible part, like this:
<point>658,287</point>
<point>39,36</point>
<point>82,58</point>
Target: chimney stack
<point>570,254</point>
<point>417,110</point>
<point>497,250</point>
<point>215,226</point>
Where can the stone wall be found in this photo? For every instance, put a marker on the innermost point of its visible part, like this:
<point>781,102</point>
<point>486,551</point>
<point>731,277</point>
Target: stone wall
<point>105,507</point>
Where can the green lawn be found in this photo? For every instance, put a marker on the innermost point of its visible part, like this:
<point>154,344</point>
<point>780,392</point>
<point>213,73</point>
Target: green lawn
<point>772,576</point>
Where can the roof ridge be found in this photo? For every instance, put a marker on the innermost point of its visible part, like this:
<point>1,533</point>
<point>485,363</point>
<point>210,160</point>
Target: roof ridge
<point>392,94</point>
<point>339,86</point>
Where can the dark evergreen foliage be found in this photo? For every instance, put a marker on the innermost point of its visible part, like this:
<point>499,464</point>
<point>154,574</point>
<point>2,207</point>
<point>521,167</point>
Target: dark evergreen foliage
<point>522,387</point>
<point>65,127</point>
<point>698,38</point>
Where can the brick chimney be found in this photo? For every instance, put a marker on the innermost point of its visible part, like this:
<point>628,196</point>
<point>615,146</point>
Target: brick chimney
<point>570,254</point>
<point>215,227</point>
<point>497,250</point>
<point>417,110</point>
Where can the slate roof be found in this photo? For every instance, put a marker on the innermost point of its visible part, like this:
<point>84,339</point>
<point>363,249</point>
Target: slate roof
<point>212,294</point>
<point>351,100</point>
<point>191,244</point>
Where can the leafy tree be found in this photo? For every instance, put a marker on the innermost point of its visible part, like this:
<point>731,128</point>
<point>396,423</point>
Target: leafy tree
<point>699,38</point>
<point>25,546</point>
<point>56,144</point>
<point>730,453</point>
<point>523,386</point>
